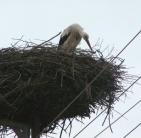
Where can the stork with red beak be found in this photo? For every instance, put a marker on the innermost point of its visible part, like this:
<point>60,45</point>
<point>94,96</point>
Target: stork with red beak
<point>71,37</point>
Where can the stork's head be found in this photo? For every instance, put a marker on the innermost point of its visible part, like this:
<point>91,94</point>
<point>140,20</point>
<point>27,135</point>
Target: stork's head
<point>86,38</point>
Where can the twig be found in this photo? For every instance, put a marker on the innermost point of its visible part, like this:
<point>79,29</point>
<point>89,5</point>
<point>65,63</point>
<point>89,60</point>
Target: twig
<point>118,118</point>
<point>62,128</point>
<point>50,39</point>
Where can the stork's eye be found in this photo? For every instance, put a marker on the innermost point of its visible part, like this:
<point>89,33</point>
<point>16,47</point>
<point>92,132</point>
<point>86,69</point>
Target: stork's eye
<point>85,36</point>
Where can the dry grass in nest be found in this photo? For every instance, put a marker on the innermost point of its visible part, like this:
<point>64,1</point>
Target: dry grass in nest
<point>37,81</point>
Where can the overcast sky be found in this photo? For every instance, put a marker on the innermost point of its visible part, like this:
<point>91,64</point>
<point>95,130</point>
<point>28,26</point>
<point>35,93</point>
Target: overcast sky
<point>113,21</point>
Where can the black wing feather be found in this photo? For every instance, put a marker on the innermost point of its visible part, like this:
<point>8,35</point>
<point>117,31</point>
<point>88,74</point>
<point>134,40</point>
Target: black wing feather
<point>64,38</point>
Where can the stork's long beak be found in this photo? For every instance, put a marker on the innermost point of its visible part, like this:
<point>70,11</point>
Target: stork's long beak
<point>88,43</point>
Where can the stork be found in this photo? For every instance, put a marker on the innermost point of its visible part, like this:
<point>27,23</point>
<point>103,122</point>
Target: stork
<point>71,37</point>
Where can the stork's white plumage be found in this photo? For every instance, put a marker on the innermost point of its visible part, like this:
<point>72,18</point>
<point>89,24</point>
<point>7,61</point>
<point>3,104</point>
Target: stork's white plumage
<point>71,37</point>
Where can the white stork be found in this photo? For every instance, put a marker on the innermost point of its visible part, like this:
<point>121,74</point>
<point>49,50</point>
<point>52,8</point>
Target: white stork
<point>71,37</point>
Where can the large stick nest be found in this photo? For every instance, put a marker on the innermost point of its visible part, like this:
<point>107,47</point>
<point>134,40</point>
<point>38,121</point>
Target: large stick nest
<point>39,82</point>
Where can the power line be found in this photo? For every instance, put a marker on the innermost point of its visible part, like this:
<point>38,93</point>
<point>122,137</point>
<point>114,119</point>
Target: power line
<point>132,130</point>
<point>93,80</point>
<point>118,118</point>
<point>89,123</point>
<point>130,86</point>
<point>106,107</point>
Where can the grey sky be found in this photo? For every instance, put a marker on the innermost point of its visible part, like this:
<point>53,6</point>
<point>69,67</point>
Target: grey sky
<point>114,21</point>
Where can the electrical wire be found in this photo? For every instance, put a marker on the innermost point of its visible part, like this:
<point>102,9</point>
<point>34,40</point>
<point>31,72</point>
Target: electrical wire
<point>93,80</point>
<point>106,108</point>
<point>118,118</point>
<point>132,130</point>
